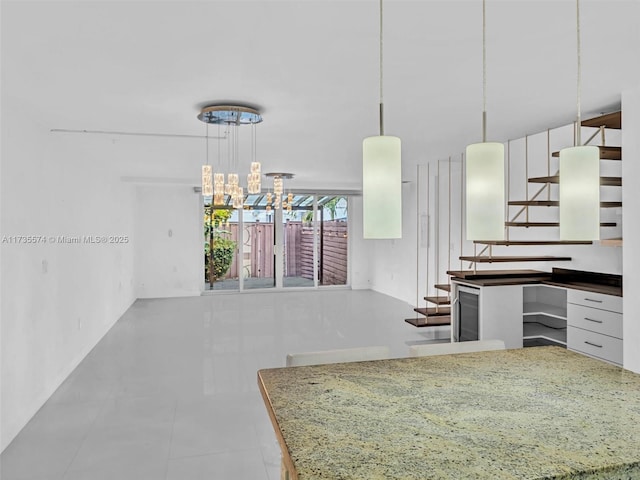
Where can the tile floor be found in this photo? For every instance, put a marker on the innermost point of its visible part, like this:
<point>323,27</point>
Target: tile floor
<point>170,392</point>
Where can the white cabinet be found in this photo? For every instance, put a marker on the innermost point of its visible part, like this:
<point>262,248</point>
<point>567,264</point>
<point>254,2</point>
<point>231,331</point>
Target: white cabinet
<point>499,307</point>
<point>544,315</point>
<point>595,300</point>
<point>595,325</point>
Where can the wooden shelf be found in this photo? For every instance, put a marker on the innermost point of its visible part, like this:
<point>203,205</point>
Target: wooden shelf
<point>501,259</point>
<point>429,322</point>
<point>556,203</point>
<point>507,243</point>
<point>443,286</point>
<point>549,224</point>
<point>608,120</point>
<point>604,181</point>
<point>438,300</point>
<point>433,311</point>
<point>606,153</point>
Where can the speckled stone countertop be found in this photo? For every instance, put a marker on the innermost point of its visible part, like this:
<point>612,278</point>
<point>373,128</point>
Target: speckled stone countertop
<point>534,413</point>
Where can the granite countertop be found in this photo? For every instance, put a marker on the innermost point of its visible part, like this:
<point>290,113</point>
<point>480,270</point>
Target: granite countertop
<point>534,413</point>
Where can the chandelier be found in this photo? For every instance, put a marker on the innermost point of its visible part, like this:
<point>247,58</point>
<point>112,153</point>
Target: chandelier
<point>278,200</point>
<point>231,117</point>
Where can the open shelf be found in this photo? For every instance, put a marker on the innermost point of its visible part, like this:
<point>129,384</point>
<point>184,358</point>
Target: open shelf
<point>533,330</point>
<point>539,308</point>
<point>544,314</point>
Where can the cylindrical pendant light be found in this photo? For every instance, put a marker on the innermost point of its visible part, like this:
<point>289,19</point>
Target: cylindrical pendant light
<point>381,178</point>
<point>485,191</point>
<point>580,193</point>
<point>579,190</point>
<point>485,174</point>
<point>382,187</point>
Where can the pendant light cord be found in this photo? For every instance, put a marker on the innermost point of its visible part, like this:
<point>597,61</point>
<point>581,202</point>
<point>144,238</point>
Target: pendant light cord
<point>579,79</point>
<point>484,73</point>
<point>206,131</point>
<point>381,79</point>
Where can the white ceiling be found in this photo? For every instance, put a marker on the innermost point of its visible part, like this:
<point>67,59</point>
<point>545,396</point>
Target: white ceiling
<point>311,67</point>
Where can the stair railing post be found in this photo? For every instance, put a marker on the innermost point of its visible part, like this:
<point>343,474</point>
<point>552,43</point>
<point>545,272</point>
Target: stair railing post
<point>437,228</point>
<point>449,224</point>
<point>506,226</point>
<point>526,169</point>
<point>549,162</point>
<point>461,211</point>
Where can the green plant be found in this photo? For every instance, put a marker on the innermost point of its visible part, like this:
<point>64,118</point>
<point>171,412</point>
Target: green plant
<point>219,249</point>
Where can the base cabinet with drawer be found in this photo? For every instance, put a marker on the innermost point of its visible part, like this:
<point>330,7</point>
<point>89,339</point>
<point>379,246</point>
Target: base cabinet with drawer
<point>594,325</point>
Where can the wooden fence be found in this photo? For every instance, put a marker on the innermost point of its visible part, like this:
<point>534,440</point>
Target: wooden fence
<point>298,249</point>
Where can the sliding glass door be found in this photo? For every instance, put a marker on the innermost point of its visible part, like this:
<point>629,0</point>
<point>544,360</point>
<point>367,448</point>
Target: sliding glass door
<point>299,242</point>
<point>304,245</point>
<point>333,240</point>
<point>221,244</point>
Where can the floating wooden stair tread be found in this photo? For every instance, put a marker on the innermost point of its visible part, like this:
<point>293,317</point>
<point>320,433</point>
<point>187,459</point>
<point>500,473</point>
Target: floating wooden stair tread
<point>609,120</point>
<point>606,153</point>
<point>549,224</point>
<point>604,181</point>
<point>430,321</point>
<point>494,259</point>
<point>443,286</point>
<point>432,311</point>
<point>438,300</point>
<point>506,243</point>
<point>556,203</point>
<point>611,242</point>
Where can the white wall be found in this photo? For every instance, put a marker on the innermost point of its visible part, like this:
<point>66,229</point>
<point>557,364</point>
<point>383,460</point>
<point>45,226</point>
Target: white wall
<point>58,299</point>
<point>359,251</point>
<point>169,255</point>
<point>631,231</point>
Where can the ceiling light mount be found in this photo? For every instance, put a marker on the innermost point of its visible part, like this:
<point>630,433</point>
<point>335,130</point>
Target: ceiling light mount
<point>284,176</point>
<point>229,115</point>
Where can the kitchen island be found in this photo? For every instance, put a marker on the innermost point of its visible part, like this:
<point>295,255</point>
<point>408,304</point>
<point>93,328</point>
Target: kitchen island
<point>516,414</point>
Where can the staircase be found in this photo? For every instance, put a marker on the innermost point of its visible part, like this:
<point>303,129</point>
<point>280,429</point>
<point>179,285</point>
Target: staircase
<point>434,316</point>
<point>440,313</point>
<point>612,120</point>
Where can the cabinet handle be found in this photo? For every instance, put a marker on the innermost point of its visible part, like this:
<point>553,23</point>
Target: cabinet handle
<point>593,344</point>
<point>592,320</point>
<point>592,300</point>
